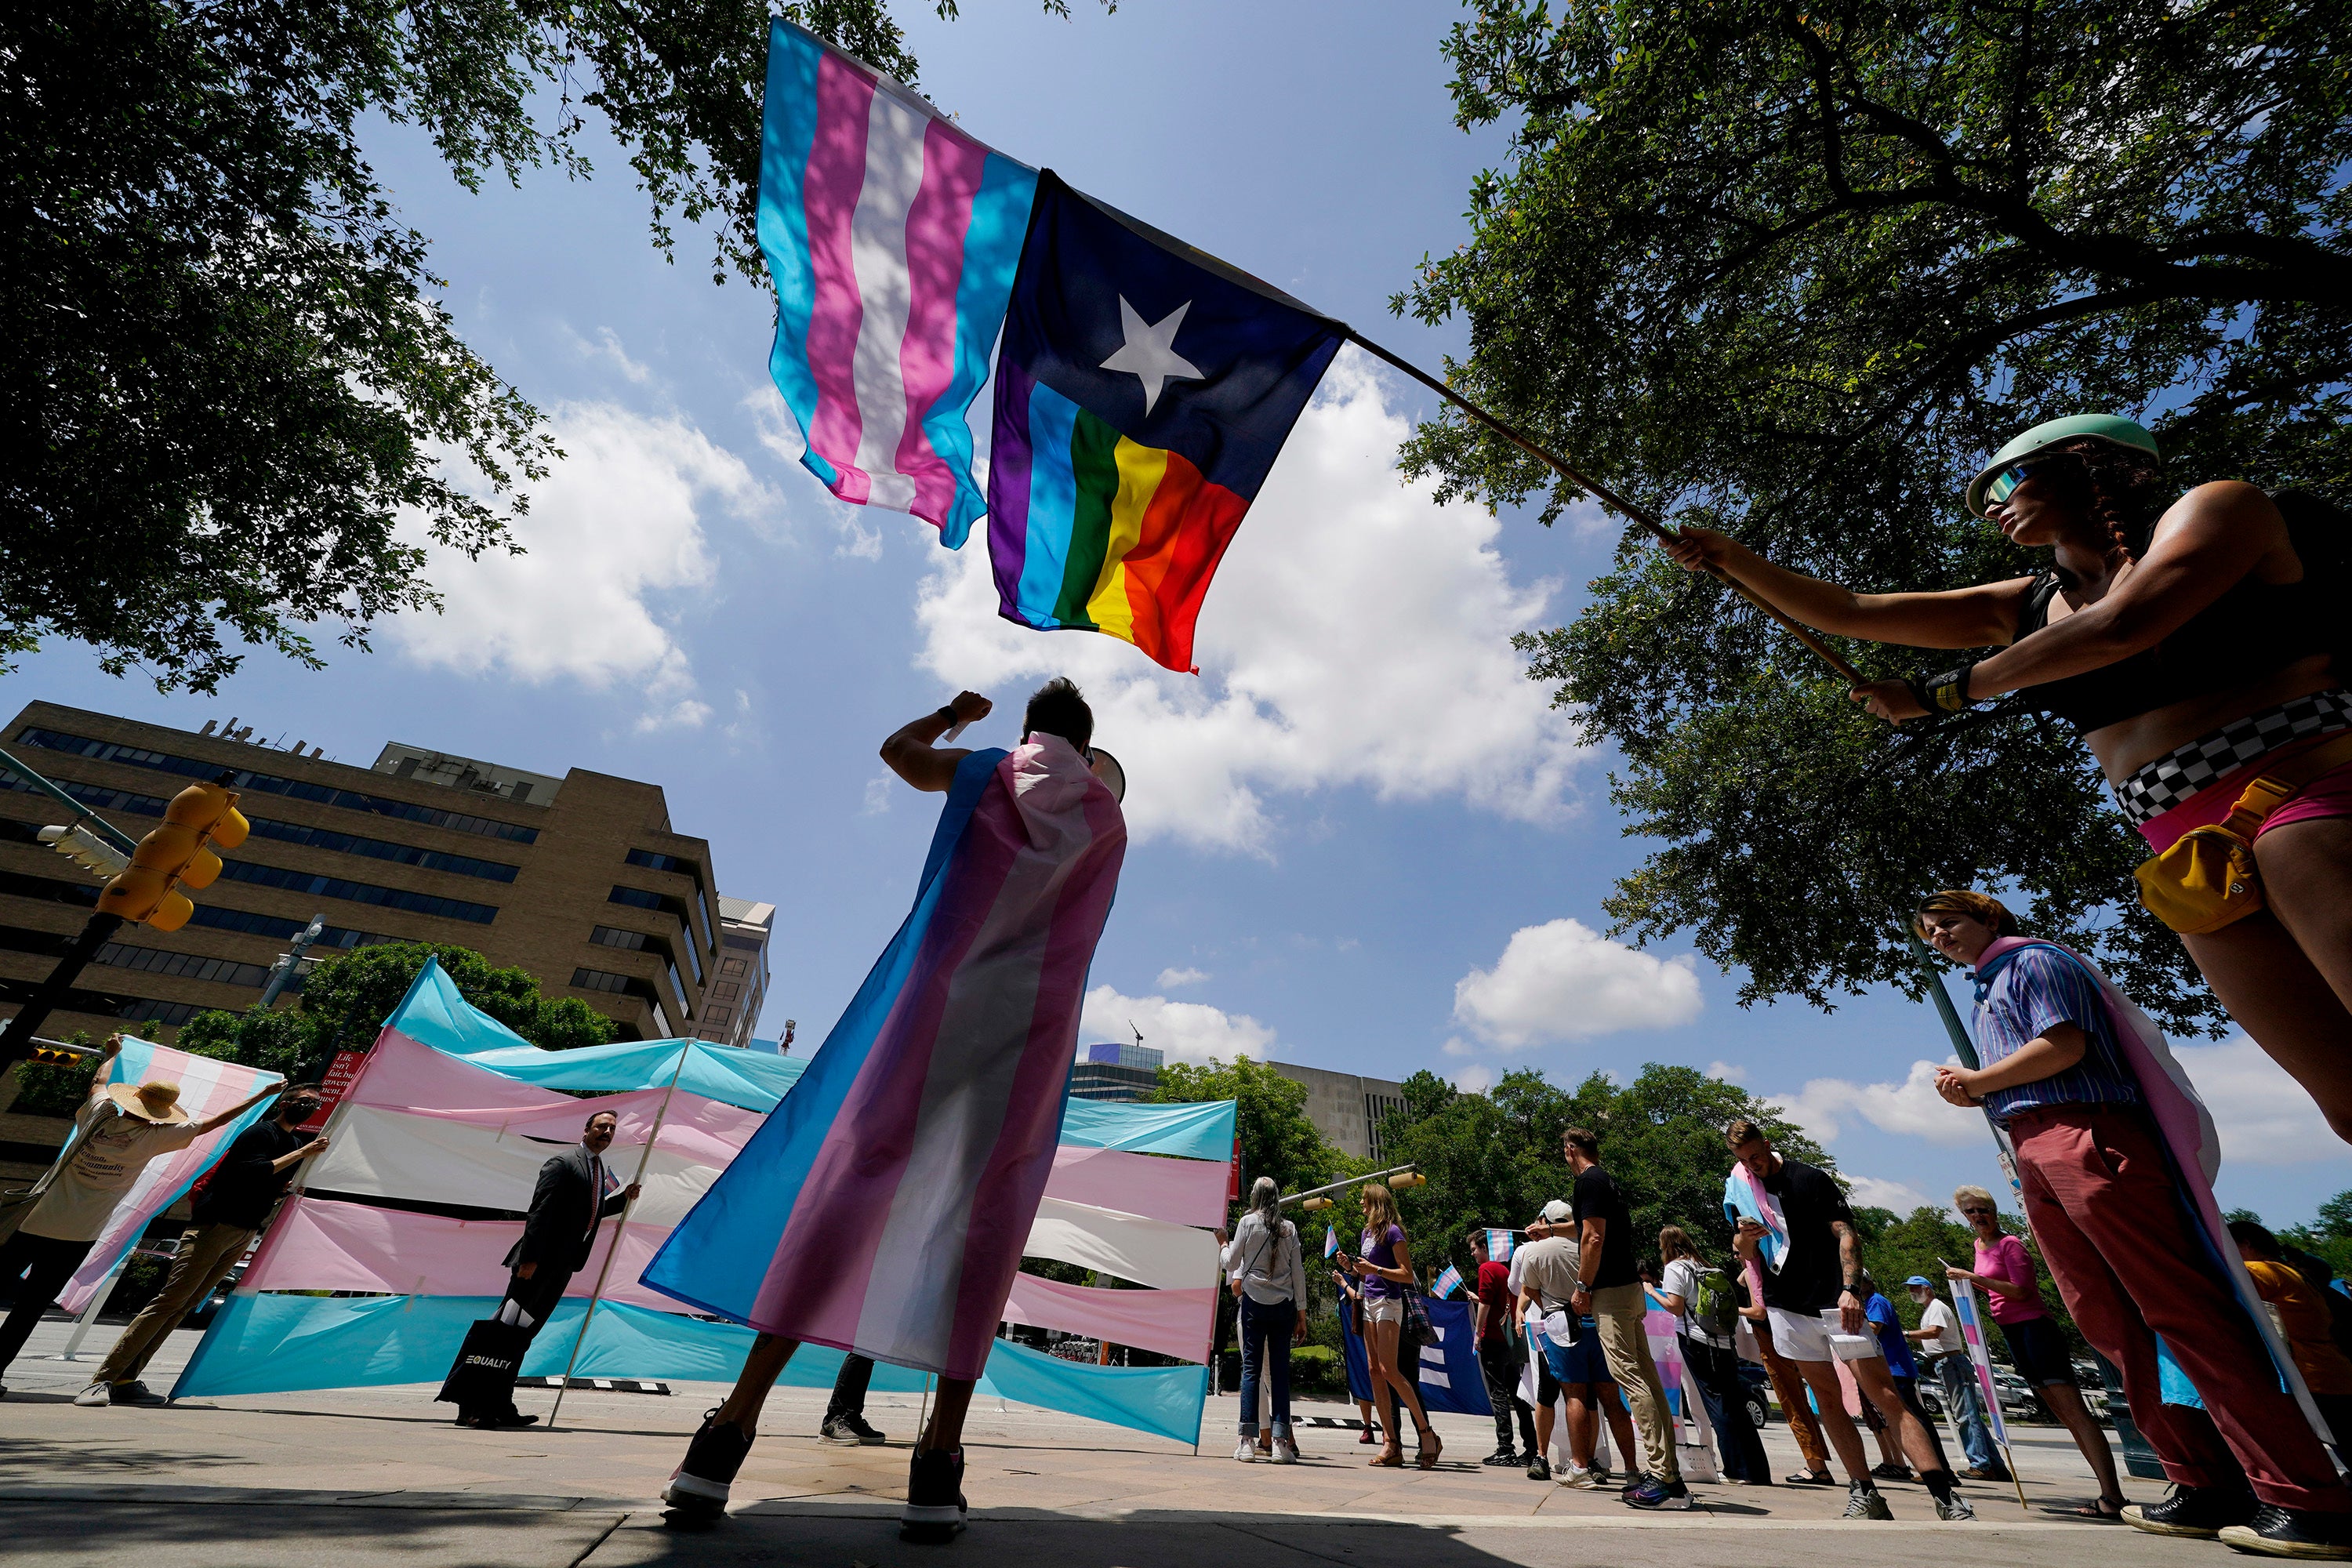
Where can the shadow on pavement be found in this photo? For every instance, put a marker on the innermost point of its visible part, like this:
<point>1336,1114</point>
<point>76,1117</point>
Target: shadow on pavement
<point>289,1530</point>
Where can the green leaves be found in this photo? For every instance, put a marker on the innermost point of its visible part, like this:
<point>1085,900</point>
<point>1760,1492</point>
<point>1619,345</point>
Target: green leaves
<point>1793,276</point>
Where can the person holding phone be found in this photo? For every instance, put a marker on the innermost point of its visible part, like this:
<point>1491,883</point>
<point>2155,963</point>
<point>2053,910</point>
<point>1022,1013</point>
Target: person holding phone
<point>1384,1263</point>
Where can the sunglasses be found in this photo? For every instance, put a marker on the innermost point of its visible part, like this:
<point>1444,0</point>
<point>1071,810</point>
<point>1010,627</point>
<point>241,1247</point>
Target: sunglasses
<point>1976,1211</point>
<point>2004,484</point>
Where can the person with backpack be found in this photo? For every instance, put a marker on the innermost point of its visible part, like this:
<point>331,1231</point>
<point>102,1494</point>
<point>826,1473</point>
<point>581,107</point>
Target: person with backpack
<point>2198,648</point>
<point>1707,1308</point>
<point>1268,1269</point>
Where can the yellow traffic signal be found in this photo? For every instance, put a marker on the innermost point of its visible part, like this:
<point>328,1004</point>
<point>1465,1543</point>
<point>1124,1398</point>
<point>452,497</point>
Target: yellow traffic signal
<point>54,1056</point>
<point>1405,1181</point>
<point>145,891</point>
<point>1312,1205</point>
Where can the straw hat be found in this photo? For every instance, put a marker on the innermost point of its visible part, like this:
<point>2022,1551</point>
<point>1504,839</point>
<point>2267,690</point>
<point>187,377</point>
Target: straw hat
<point>158,1102</point>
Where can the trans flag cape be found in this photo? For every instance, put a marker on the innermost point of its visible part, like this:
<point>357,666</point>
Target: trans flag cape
<point>883,1207</point>
<point>891,237</point>
<point>2187,1131</point>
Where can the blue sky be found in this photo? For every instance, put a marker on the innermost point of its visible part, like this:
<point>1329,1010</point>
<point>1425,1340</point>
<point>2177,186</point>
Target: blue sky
<point>1362,836</point>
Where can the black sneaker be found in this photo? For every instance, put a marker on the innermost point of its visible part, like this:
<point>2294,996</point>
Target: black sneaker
<point>2275,1532</point>
<point>700,1483</point>
<point>2199,1511</point>
<point>1625,1493</point>
<point>1504,1459</point>
<point>935,1508</point>
<point>851,1429</point>
<point>135,1393</point>
<point>1539,1468</point>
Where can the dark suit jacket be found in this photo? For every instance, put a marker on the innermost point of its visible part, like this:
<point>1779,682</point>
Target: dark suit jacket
<point>561,1226</point>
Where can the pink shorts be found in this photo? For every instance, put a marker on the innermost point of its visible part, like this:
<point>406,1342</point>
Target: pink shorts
<point>2329,794</point>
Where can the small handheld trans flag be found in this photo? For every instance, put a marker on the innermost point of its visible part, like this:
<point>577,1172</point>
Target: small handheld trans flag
<point>1499,1246</point>
<point>1447,1283</point>
<point>1142,391</point>
<point>1330,1242</point>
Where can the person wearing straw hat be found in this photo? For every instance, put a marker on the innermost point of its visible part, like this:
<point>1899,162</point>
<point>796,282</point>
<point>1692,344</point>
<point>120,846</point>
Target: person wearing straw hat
<point>121,1128</point>
<point>2201,658</point>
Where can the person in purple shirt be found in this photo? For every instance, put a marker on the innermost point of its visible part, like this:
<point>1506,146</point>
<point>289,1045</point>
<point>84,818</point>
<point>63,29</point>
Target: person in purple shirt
<point>1385,1262</point>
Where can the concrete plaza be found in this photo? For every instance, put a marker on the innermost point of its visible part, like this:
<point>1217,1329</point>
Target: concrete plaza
<point>380,1476</point>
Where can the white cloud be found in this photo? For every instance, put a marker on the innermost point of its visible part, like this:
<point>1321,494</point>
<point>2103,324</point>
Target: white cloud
<point>1727,1072</point>
<point>1900,1196</point>
<point>878,793</point>
<point>1173,979</point>
<point>1358,635</point>
<point>2264,1117</point>
<point>1911,1108</point>
<point>1564,981</point>
<point>780,433</point>
<point>1474,1080</point>
<point>1184,1031</point>
<point>1455,1046</point>
<point>611,531</point>
<point>607,348</point>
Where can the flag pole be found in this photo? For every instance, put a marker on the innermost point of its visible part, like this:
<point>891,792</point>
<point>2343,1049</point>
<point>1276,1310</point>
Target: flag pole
<point>1606,496</point>
<point>565,1386</point>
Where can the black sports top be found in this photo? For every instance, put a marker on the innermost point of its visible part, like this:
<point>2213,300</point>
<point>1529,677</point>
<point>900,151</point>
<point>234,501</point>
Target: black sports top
<point>2252,628</point>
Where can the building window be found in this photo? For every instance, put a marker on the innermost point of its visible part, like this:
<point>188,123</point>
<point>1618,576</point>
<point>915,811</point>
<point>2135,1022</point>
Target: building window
<point>641,898</point>
<point>169,1013</point>
<point>730,966</point>
<point>97,798</point>
<point>357,892</point>
<point>186,966</point>
<point>719,1017</point>
<point>660,862</point>
<point>378,849</point>
<point>605,980</point>
<point>270,784</point>
<point>281,928</point>
<point>612,936</point>
<point>726,991</point>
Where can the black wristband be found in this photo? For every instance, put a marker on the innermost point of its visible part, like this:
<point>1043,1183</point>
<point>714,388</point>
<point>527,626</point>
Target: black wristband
<point>1945,694</point>
<point>947,711</point>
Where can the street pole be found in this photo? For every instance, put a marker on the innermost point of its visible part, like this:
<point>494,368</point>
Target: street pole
<point>1962,1047</point>
<point>16,1039</point>
<point>283,971</point>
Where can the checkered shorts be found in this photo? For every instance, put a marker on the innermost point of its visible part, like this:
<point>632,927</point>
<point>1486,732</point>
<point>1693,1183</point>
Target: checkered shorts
<point>2172,779</point>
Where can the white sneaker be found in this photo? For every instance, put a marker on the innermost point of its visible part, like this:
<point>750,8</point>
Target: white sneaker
<point>1247,1450</point>
<point>96,1393</point>
<point>1285,1452</point>
<point>1955,1507</point>
<point>1577,1478</point>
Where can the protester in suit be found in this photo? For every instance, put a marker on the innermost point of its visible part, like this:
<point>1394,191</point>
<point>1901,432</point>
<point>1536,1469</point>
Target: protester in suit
<point>573,1195</point>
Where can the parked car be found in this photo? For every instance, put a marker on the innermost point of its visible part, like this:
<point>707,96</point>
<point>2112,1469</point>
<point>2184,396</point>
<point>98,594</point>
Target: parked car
<point>2018,1401</point>
<point>1756,1387</point>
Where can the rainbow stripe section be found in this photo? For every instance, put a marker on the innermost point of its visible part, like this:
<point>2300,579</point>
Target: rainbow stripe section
<point>1096,531</point>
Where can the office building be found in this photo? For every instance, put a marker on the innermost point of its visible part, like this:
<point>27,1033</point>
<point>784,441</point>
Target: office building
<point>741,984</point>
<point>581,879</point>
<point>1346,1108</point>
<point>1110,1071</point>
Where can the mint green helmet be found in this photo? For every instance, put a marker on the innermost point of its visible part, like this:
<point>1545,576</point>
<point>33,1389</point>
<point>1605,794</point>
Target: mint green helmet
<point>2112,428</point>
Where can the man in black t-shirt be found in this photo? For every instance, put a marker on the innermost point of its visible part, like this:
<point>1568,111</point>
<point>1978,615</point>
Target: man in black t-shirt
<point>1817,1308</point>
<point>1610,1288</point>
<point>234,1203</point>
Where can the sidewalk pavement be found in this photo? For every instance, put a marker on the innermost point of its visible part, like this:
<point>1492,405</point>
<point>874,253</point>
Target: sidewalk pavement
<point>380,1475</point>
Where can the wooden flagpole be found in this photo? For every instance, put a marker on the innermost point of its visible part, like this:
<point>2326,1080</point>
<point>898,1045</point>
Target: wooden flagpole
<point>595,1295</point>
<point>1606,496</point>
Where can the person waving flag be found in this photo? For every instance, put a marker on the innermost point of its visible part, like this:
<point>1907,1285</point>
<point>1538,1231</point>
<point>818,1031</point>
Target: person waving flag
<point>1143,389</point>
<point>1447,1283</point>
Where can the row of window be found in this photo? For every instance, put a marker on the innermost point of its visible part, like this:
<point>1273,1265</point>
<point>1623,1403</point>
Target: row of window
<point>270,783</point>
<point>661,903</point>
<point>683,868</point>
<point>186,966</point>
<point>357,892</point>
<point>281,928</point>
<point>641,941</point>
<point>169,1014</point>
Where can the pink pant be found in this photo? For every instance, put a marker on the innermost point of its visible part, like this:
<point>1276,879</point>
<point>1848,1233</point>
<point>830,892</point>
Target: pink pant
<point>2329,794</point>
<point>2118,1240</point>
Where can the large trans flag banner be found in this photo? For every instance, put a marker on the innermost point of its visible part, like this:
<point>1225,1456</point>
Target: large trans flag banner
<point>208,1086</point>
<point>892,237</point>
<point>436,1146</point>
<point>884,1207</point>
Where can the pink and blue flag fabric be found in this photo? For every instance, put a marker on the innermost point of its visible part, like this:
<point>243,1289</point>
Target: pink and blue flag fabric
<point>1330,1242</point>
<point>884,1205</point>
<point>1500,1245</point>
<point>1447,1283</point>
<point>892,237</point>
<point>1971,1320</point>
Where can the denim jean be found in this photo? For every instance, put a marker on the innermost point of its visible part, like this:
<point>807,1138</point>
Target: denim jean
<point>1716,1372</point>
<point>1962,1399</point>
<point>1266,1336</point>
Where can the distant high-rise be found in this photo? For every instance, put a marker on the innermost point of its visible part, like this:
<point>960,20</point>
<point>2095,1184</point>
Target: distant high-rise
<point>1110,1071</point>
<point>741,984</point>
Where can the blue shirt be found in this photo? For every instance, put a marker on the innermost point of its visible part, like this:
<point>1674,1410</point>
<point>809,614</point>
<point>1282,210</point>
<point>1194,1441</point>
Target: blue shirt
<point>1880,1312</point>
<point>2020,995</point>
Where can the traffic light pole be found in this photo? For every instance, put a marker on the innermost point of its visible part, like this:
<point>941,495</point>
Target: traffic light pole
<point>17,1040</point>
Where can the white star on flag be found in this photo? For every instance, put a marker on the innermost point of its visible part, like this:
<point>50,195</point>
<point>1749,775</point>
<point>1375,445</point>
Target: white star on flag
<point>1149,352</point>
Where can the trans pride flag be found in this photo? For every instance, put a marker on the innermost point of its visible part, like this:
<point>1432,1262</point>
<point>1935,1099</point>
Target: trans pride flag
<point>1142,391</point>
<point>891,237</point>
<point>885,1204</point>
<point>1447,1283</point>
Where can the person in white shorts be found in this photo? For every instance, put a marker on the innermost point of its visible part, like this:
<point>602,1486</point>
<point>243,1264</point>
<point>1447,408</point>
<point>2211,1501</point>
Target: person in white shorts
<point>1818,1317</point>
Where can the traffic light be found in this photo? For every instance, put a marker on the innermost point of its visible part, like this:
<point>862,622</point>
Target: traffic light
<point>56,1053</point>
<point>1405,1181</point>
<point>174,856</point>
<point>78,843</point>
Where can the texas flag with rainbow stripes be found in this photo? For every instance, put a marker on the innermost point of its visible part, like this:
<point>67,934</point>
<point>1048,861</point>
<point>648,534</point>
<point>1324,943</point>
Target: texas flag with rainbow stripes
<point>1143,389</point>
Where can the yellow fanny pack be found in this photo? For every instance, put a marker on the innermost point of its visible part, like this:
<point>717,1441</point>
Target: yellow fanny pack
<point>2207,880</point>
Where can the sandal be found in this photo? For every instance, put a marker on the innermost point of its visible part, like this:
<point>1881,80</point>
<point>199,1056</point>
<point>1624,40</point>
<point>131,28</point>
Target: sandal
<point>1810,1479</point>
<point>2106,1508</point>
<point>1389,1457</point>
<point>1426,1447</point>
